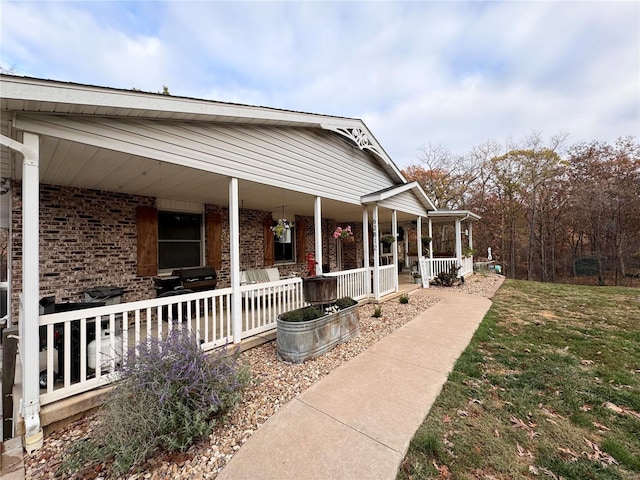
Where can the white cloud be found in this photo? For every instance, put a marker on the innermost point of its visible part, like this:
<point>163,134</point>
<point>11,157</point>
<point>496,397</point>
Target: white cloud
<point>417,72</point>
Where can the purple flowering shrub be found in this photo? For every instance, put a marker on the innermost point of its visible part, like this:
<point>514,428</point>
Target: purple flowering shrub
<point>169,397</point>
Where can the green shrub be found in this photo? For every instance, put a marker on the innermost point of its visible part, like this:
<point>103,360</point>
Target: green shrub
<point>404,298</point>
<point>345,302</point>
<point>169,397</point>
<point>302,314</point>
<point>449,278</point>
<point>377,312</point>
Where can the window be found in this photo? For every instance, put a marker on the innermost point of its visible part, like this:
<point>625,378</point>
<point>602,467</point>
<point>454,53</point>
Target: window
<point>179,240</point>
<point>285,252</point>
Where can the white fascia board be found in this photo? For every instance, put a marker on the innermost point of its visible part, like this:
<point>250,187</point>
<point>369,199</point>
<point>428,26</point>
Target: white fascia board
<point>392,192</point>
<point>29,89</point>
<point>453,214</point>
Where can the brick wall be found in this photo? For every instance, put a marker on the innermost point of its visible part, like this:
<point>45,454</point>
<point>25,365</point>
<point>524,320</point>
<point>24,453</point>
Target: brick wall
<point>88,239</point>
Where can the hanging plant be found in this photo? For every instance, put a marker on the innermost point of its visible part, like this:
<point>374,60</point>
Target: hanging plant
<point>387,240</point>
<point>280,228</point>
<point>343,234</point>
<point>426,242</point>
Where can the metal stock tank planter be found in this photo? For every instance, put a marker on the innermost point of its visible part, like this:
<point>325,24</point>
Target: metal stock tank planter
<point>312,331</point>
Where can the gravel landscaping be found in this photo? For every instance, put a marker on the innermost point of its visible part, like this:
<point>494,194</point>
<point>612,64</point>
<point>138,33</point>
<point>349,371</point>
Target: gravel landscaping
<point>275,384</point>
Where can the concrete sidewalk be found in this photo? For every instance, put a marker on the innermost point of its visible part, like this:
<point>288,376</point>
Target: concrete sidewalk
<point>357,422</point>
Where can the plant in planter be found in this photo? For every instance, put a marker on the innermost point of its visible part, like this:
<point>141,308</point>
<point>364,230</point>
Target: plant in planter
<point>345,234</point>
<point>387,240</point>
<point>426,242</point>
<point>312,331</point>
<point>281,227</point>
<point>417,277</point>
<point>468,252</point>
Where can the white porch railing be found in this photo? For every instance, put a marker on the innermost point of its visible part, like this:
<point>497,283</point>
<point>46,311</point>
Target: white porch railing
<point>467,266</point>
<point>263,302</point>
<point>387,279</point>
<point>354,283</point>
<point>442,265</point>
<point>76,357</point>
<point>71,354</point>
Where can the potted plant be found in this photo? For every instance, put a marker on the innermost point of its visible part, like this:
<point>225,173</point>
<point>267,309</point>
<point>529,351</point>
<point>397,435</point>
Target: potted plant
<point>426,242</point>
<point>345,234</point>
<point>311,331</point>
<point>387,240</point>
<point>468,252</point>
<point>282,230</point>
<point>417,278</point>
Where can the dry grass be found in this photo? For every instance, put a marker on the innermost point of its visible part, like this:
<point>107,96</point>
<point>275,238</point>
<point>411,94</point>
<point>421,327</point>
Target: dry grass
<point>548,388</point>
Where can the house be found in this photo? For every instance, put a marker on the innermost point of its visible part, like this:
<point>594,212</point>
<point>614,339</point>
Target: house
<point>112,187</point>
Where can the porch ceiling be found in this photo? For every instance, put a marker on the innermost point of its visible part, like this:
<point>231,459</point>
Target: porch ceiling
<point>67,163</point>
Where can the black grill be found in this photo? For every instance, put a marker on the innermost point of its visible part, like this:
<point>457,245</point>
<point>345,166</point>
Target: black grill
<point>197,278</point>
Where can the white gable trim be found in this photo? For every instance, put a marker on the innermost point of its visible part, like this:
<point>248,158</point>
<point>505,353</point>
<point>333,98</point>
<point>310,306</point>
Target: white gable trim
<point>391,192</point>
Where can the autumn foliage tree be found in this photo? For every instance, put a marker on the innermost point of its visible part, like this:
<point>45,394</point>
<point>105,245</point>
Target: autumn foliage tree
<point>545,208</point>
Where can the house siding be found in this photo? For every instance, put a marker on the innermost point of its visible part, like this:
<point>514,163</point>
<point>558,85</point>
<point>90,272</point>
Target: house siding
<point>404,202</point>
<point>285,157</point>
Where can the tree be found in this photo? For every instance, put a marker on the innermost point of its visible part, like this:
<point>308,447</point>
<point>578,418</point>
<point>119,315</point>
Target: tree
<point>604,183</point>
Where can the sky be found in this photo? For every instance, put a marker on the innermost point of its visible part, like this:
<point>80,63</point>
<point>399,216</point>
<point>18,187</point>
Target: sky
<point>451,74</point>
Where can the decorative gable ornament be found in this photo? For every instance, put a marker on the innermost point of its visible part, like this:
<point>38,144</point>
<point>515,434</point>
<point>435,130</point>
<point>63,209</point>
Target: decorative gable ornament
<point>356,135</point>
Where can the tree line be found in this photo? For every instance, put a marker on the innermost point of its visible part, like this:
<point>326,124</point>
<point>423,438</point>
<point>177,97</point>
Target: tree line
<point>550,212</point>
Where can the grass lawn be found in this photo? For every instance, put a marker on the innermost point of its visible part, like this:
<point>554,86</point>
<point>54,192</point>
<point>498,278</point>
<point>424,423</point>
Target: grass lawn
<point>548,388</point>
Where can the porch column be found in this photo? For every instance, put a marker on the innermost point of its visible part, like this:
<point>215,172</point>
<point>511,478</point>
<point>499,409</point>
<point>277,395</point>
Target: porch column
<point>394,247</point>
<point>365,246</point>
<point>317,217</point>
<point>234,250</point>
<point>419,237</point>
<point>458,242</point>
<point>406,246</point>
<point>470,234</point>
<point>29,306</point>
<point>431,273</point>
<point>376,254</point>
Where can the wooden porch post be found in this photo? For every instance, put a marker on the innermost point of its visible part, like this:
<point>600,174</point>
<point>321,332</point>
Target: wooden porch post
<point>394,248</point>
<point>29,306</point>
<point>317,217</point>
<point>234,250</point>
<point>470,224</point>
<point>376,254</point>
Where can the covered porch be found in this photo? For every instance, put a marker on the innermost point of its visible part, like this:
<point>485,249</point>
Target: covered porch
<point>119,188</point>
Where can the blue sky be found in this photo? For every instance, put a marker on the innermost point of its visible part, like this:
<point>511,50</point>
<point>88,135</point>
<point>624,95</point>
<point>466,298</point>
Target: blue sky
<point>456,74</point>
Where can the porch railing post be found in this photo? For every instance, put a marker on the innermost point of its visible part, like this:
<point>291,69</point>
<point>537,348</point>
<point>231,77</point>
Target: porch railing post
<point>317,216</point>
<point>234,230</point>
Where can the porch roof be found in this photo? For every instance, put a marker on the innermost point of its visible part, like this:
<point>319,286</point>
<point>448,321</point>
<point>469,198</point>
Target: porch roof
<point>441,216</point>
<point>396,190</point>
<point>156,145</point>
<point>29,94</point>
